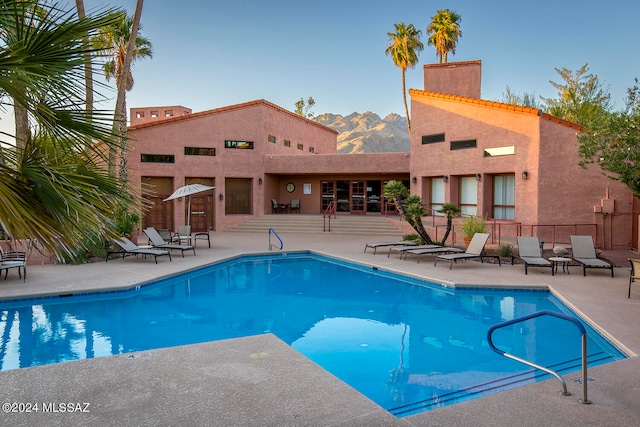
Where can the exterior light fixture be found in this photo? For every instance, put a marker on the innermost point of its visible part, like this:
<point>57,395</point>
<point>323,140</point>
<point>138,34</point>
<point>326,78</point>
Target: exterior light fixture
<point>414,179</point>
<point>445,178</point>
<point>221,196</point>
<point>260,181</point>
<point>478,176</point>
<point>525,175</point>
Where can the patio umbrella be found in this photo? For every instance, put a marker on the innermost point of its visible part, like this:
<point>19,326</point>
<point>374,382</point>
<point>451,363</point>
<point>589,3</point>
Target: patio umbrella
<point>187,191</point>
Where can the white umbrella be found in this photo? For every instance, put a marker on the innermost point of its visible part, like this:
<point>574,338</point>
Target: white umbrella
<point>187,191</point>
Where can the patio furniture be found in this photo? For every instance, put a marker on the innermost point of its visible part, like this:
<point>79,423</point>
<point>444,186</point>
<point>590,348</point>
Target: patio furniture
<point>158,242</point>
<point>128,247</point>
<point>475,250</point>
<point>531,255</point>
<point>294,206</point>
<point>13,259</point>
<point>430,251</point>
<point>376,245</point>
<point>184,233</point>
<point>634,275</point>
<point>584,253</point>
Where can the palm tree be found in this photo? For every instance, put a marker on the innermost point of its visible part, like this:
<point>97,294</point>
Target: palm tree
<point>51,187</point>
<point>451,211</point>
<point>404,46</point>
<point>410,207</point>
<point>113,41</point>
<point>444,31</point>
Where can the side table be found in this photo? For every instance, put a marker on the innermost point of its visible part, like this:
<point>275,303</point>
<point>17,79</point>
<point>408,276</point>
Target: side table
<point>560,260</point>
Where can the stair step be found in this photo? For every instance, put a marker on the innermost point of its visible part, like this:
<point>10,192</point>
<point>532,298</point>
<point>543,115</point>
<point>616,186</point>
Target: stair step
<point>309,224</point>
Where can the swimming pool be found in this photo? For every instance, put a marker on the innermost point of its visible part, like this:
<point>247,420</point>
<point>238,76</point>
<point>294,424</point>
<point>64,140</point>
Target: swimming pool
<point>406,344</point>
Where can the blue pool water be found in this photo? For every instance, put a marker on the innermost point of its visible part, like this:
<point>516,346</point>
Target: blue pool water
<point>408,345</point>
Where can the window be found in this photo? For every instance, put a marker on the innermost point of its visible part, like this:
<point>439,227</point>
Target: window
<point>500,151</point>
<point>243,145</point>
<point>300,147</point>
<point>154,114</point>
<point>432,139</point>
<point>437,195</point>
<point>287,143</point>
<point>168,113</point>
<point>140,114</point>
<point>157,158</point>
<point>462,145</point>
<point>468,195</point>
<point>504,196</point>
<point>199,151</point>
<point>312,150</point>
<point>272,139</point>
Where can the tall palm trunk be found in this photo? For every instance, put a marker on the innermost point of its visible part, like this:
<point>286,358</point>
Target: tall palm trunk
<point>23,132</point>
<point>88,75</point>
<point>404,96</point>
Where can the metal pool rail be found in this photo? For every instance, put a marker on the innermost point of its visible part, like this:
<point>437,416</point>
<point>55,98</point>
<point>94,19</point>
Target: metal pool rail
<point>572,319</point>
<point>271,246</point>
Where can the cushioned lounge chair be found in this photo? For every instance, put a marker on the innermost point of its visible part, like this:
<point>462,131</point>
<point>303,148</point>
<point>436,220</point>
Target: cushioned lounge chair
<point>431,251</point>
<point>158,242</point>
<point>475,250</point>
<point>376,245</point>
<point>531,255</point>
<point>128,247</point>
<point>13,259</point>
<point>634,275</point>
<point>402,249</point>
<point>584,253</point>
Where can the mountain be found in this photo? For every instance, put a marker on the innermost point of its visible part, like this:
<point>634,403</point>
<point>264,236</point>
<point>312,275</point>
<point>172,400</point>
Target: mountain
<point>367,132</point>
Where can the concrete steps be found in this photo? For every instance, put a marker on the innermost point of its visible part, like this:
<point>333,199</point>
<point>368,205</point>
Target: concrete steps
<point>310,224</point>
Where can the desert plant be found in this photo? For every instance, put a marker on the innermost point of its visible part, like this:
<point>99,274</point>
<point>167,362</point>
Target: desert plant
<point>473,224</point>
<point>451,211</point>
<point>505,250</point>
<point>126,221</point>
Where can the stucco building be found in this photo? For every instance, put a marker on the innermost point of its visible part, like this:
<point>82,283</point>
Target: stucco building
<point>513,164</point>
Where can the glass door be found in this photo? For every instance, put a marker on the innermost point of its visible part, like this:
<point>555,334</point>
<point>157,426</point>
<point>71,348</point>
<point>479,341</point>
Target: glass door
<point>342,196</point>
<point>327,194</point>
<point>358,193</point>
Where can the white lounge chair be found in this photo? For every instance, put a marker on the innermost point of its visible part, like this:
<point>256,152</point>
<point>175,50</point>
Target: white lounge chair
<point>584,253</point>
<point>475,250</point>
<point>128,247</point>
<point>431,251</point>
<point>529,252</point>
<point>158,242</point>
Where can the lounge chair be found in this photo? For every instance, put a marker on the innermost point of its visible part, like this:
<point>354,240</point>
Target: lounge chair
<point>13,259</point>
<point>431,251</point>
<point>475,250</point>
<point>529,252</point>
<point>584,253</point>
<point>403,248</point>
<point>634,275</point>
<point>128,247</point>
<point>184,233</point>
<point>158,242</point>
<point>376,245</point>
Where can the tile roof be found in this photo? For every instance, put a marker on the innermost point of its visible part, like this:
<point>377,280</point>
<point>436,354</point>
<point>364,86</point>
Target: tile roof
<point>229,108</point>
<point>495,104</point>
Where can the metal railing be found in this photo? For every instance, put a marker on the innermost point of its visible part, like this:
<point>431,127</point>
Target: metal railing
<point>571,319</point>
<point>271,246</point>
<point>330,210</point>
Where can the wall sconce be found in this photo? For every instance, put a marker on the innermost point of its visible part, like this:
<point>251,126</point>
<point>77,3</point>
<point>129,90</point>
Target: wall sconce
<point>260,181</point>
<point>414,180</point>
<point>445,178</point>
<point>478,176</point>
<point>221,196</point>
<point>525,175</point>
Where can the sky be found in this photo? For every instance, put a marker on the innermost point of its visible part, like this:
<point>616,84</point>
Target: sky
<point>213,53</point>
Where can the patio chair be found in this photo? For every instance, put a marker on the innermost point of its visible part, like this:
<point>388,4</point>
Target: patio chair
<point>376,245</point>
<point>184,233</point>
<point>275,207</point>
<point>634,275</point>
<point>584,253</point>
<point>435,250</point>
<point>295,205</point>
<point>531,255</point>
<point>13,259</point>
<point>475,250</point>
<point>158,242</point>
<point>128,247</point>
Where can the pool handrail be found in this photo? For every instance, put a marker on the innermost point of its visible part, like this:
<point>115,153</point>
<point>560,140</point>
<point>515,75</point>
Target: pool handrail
<point>271,246</point>
<point>583,333</point>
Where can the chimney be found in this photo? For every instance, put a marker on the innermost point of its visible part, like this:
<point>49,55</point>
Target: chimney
<point>454,78</point>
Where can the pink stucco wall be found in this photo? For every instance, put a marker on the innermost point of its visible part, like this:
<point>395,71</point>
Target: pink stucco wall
<point>460,78</point>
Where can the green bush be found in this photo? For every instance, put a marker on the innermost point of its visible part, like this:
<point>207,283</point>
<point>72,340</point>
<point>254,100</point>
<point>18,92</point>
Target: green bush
<point>473,224</point>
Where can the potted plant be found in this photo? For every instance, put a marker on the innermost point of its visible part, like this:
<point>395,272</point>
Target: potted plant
<point>472,225</point>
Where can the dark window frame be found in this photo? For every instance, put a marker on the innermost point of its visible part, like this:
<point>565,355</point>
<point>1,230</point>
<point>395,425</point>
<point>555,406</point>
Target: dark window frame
<point>463,144</point>
<point>433,138</point>
<point>157,158</point>
<point>230,143</point>
<point>199,151</point>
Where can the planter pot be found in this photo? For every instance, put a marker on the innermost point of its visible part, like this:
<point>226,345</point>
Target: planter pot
<point>467,240</point>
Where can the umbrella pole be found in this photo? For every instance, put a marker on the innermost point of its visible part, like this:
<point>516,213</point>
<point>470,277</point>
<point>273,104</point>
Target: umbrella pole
<point>189,212</point>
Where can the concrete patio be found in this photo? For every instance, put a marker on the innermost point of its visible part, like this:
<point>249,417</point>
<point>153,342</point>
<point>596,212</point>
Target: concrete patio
<point>260,381</point>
